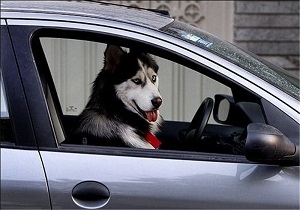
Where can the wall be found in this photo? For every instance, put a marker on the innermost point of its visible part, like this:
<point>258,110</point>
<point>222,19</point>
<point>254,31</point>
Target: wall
<point>269,29</point>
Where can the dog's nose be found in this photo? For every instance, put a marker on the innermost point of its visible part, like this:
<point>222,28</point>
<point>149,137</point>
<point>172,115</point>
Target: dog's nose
<point>156,102</point>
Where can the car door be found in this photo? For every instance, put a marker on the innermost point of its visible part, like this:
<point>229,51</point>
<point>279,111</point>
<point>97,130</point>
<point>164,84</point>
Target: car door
<point>82,176</point>
<point>23,181</point>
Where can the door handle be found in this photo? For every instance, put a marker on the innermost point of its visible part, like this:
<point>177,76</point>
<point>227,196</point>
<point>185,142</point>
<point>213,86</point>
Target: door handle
<point>90,195</point>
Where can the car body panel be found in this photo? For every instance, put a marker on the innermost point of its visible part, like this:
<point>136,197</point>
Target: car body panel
<point>136,182</point>
<point>142,18</point>
<point>25,186</point>
<point>134,178</point>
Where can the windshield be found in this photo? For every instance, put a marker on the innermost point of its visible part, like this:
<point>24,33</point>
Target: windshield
<point>248,61</point>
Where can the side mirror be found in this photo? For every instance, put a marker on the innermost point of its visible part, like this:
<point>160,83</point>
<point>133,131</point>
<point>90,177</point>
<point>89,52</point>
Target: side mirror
<point>223,109</point>
<point>267,144</point>
<point>228,111</point>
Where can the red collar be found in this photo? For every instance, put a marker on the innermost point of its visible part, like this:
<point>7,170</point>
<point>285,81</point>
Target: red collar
<point>152,140</point>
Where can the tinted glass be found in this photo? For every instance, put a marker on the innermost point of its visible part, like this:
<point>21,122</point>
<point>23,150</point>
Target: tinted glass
<point>6,134</point>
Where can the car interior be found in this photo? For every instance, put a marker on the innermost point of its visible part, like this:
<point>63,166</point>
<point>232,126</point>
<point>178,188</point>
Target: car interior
<point>230,113</point>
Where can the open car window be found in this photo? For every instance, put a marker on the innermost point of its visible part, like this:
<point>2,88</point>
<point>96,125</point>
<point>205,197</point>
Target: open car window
<point>72,65</point>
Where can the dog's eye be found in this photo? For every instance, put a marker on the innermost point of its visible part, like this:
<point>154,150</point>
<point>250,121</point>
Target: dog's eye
<point>153,78</point>
<point>137,81</point>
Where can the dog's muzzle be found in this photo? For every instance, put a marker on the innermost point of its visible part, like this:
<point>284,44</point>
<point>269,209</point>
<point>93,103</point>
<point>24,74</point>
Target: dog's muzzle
<point>152,115</point>
<point>156,102</point>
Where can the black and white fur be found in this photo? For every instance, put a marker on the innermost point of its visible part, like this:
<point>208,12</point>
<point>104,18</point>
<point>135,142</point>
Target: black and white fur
<point>124,102</point>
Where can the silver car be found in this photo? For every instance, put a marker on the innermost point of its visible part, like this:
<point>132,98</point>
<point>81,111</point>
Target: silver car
<point>240,149</point>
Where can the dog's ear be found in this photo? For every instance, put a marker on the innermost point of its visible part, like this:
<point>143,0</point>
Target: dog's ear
<point>112,57</point>
<point>145,57</point>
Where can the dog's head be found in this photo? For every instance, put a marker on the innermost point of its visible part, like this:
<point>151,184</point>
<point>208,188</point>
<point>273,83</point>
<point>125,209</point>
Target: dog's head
<point>135,80</point>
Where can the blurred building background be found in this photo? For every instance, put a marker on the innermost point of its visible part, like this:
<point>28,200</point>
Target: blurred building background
<point>267,28</point>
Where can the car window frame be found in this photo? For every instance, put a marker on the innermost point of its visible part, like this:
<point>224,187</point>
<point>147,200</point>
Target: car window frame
<point>31,84</point>
<point>140,152</point>
<point>15,96</point>
<point>61,33</point>
<point>106,150</point>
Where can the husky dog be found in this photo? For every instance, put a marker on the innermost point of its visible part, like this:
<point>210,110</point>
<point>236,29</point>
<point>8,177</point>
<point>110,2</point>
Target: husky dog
<point>123,109</point>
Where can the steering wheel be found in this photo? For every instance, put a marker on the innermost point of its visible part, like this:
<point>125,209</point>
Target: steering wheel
<point>200,120</point>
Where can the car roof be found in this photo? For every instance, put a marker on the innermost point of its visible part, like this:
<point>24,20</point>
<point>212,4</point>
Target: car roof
<point>137,16</point>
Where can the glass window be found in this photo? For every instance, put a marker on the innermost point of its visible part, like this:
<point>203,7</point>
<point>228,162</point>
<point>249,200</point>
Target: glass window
<point>5,123</point>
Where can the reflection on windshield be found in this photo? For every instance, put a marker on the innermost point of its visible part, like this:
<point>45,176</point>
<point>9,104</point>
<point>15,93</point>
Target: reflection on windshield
<point>270,73</point>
